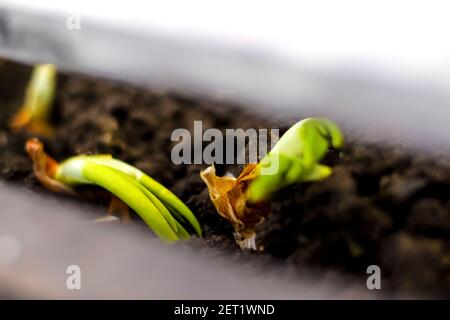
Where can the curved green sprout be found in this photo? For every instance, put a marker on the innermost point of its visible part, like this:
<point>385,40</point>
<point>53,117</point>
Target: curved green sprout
<point>296,156</point>
<point>151,200</point>
<point>163,212</point>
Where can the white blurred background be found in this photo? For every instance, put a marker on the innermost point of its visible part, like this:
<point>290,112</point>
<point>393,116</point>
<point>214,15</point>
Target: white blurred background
<point>402,39</point>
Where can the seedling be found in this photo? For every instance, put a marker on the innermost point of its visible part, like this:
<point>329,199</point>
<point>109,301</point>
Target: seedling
<point>295,158</point>
<point>163,212</point>
<point>35,113</point>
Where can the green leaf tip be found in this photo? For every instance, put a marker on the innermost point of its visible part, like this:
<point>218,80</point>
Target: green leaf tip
<point>296,156</point>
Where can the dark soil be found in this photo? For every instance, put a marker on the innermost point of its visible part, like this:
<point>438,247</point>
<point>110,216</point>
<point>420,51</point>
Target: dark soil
<point>383,205</point>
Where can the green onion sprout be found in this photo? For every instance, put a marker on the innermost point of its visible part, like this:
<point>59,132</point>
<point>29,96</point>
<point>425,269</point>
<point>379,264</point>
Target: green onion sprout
<point>39,97</point>
<point>163,212</point>
<point>244,201</point>
<point>295,158</point>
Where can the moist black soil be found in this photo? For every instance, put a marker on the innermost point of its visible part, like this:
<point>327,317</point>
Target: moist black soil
<point>383,205</point>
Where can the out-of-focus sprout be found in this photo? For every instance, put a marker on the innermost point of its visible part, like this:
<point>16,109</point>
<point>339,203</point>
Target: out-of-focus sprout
<point>244,201</point>
<point>35,113</point>
<point>163,212</point>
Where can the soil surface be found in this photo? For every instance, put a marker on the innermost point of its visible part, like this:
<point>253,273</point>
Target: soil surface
<point>383,205</point>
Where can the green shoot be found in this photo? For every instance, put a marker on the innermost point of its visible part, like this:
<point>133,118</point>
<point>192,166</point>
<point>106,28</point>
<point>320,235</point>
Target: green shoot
<point>243,201</point>
<point>163,212</point>
<point>295,158</point>
<point>36,110</point>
